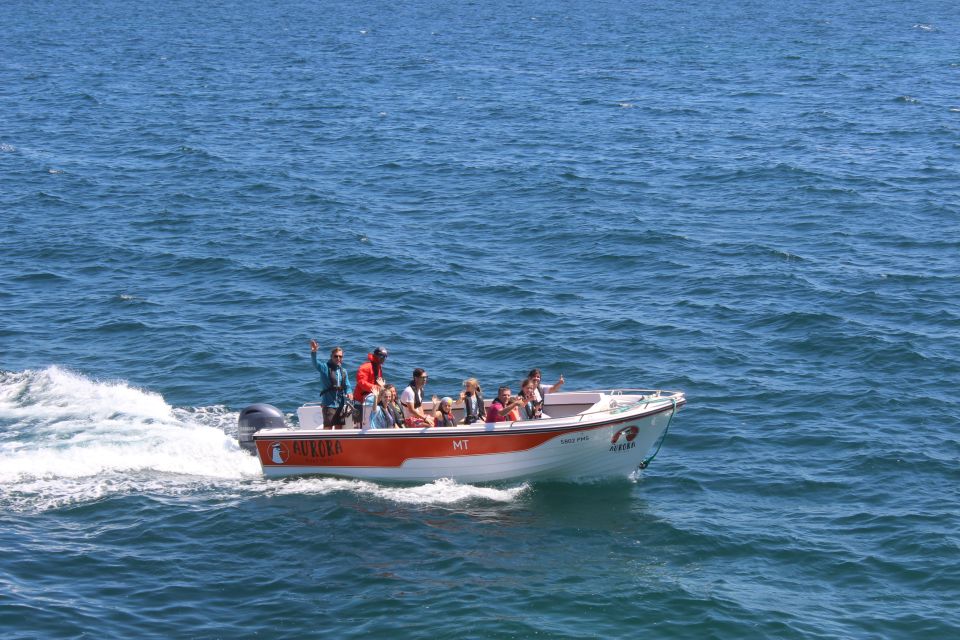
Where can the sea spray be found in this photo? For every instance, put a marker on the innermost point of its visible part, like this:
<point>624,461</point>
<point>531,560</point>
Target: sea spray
<point>65,438</point>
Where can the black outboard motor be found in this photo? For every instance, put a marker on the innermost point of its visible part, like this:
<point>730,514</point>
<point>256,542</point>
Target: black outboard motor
<point>256,417</point>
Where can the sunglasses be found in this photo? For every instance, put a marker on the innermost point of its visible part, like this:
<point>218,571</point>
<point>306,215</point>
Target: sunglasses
<point>339,355</point>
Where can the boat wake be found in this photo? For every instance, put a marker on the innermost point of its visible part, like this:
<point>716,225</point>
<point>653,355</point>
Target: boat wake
<point>67,440</point>
<point>440,492</point>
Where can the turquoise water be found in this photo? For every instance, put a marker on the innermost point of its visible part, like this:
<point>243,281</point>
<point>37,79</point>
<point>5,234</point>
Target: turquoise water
<point>754,203</point>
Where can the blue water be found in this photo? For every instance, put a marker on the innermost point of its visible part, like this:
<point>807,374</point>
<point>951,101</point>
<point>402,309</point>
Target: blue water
<point>756,203</point>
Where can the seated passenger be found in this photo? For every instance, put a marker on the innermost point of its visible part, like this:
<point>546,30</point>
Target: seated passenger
<point>386,414</point>
<point>541,390</point>
<point>472,399</point>
<point>412,399</point>
<point>532,409</point>
<point>443,416</point>
<point>504,408</point>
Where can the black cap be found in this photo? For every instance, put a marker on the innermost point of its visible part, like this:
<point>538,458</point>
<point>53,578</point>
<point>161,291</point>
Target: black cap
<point>379,351</point>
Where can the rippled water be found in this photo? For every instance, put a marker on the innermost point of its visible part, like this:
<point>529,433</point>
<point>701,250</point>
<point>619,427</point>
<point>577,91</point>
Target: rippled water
<point>754,203</point>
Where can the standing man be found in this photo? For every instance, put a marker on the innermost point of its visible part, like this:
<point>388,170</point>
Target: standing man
<point>370,380</point>
<point>370,374</point>
<point>334,387</point>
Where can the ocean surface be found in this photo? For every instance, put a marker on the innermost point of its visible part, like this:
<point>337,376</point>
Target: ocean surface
<point>755,202</point>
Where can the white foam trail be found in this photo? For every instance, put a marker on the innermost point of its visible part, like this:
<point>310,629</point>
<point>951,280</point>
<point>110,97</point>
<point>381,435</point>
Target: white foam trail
<point>66,439</point>
<point>440,492</point>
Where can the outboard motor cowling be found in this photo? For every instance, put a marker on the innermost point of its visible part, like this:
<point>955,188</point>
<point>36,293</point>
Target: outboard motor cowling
<point>256,417</point>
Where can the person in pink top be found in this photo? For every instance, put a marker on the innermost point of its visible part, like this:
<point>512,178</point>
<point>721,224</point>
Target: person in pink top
<point>504,408</point>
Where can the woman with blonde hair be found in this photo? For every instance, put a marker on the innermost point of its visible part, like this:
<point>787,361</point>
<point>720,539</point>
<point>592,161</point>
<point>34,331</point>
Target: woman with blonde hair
<point>386,414</point>
<point>472,399</point>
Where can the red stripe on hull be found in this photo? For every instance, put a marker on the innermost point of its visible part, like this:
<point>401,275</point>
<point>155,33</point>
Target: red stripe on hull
<point>385,449</point>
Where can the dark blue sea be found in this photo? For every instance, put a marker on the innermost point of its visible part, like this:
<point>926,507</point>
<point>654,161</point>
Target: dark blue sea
<point>757,203</point>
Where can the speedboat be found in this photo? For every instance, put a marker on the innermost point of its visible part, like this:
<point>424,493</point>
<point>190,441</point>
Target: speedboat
<point>589,434</point>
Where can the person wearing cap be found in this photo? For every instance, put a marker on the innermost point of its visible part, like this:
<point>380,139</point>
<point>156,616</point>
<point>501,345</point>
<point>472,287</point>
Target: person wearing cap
<point>370,381</point>
<point>370,374</point>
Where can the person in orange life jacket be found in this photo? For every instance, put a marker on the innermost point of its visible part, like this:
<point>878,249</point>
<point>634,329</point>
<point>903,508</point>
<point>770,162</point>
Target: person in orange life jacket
<point>504,408</point>
<point>370,374</point>
<point>412,398</point>
<point>443,416</point>
<point>472,399</point>
<point>370,380</point>
<point>334,386</point>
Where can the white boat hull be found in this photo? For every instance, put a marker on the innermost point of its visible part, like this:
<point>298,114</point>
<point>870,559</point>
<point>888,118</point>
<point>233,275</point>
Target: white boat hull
<point>613,437</point>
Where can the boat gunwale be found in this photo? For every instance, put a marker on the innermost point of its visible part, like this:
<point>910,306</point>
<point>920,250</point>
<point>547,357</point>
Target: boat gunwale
<point>639,410</point>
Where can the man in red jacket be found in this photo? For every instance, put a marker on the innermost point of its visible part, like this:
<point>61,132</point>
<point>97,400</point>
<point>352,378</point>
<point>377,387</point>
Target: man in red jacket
<point>370,374</point>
